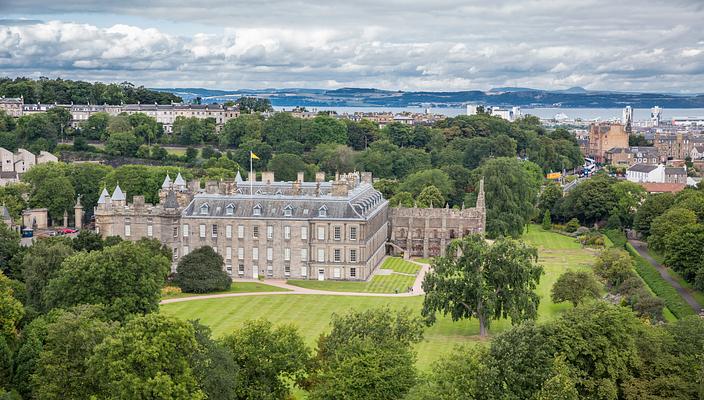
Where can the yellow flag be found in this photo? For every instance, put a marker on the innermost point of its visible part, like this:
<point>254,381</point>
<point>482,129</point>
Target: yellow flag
<point>254,156</point>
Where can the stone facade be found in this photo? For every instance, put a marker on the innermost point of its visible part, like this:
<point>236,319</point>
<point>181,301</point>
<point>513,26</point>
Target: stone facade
<point>604,137</point>
<point>338,229</point>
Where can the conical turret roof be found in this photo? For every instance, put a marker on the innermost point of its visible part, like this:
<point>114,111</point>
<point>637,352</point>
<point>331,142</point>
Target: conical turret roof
<point>167,182</point>
<point>104,196</point>
<point>179,181</point>
<point>118,195</point>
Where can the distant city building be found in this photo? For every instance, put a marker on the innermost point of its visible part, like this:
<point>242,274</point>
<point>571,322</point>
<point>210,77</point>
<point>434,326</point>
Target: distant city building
<point>619,156</point>
<point>656,173</point>
<point>13,166</point>
<point>655,116</point>
<point>509,114</point>
<point>12,106</point>
<point>627,118</point>
<point>604,137</point>
<point>339,229</point>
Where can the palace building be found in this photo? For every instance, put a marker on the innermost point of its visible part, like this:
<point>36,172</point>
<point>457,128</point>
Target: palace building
<point>337,229</point>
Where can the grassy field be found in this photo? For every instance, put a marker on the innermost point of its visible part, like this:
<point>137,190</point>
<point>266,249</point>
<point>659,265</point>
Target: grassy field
<point>398,264</point>
<point>237,287</point>
<point>394,283</point>
<point>311,313</point>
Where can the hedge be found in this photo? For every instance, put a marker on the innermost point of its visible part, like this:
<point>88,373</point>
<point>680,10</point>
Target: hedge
<point>660,286</point>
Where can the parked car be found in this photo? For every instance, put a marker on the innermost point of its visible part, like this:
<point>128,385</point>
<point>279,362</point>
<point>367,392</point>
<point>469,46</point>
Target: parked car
<point>66,231</point>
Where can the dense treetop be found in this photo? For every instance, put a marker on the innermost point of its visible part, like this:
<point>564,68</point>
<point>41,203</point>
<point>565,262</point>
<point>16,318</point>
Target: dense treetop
<point>45,90</point>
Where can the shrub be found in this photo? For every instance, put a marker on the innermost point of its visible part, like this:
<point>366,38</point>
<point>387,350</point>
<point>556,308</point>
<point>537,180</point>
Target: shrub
<point>572,225</point>
<point>170,291</point>
<point>575,286</point>
<point>614,266</point>
<point>547,222</point>
<point>592,239</point>
<point>200,271</point>
<point>630,285</point>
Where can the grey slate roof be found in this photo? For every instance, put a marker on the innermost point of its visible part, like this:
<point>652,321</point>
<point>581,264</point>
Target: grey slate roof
<point>361,202</point>
<point>103,196</point>
<point>5,213</point>
<point>117,194</point>
<point>675,171</point>
<point>643,168</point>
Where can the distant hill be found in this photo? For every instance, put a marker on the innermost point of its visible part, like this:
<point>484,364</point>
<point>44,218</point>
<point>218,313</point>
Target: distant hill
<point>575,97</point>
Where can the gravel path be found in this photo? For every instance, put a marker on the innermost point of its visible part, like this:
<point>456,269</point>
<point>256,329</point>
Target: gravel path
<point>642,249</point>
<point>417,290</point>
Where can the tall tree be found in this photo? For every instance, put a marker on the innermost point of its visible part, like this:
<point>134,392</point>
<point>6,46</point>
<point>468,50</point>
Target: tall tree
<point>511,196</point>
<point>126,278</point>
<point>147,358</point>
<point>484,281</point>
<point>11,310</point>
<point>42,263</point>
<point>575,287</point>
<point>367,355</point>
<point>267,357</point>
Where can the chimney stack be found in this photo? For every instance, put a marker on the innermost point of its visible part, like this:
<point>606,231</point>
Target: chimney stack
<point>268,177</point>
<point>367,177</point>
<point>320,177</point>
<point>301,177</point>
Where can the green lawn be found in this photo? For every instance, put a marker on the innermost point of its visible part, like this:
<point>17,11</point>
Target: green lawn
<point>311,313</point>
<point>394,283</point>
<point>178,151</point>
<point>424,260</point>
<point>398,264</point>
<point>237,287</point>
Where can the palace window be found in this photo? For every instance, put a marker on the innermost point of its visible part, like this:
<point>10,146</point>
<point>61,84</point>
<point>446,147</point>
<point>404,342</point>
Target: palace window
<point>240,231</point>
<point>304,271</point>
<point>255,253</point>
<point>304,233</point>
<point>228,253</point>
<point>230,209</point>
<point>204,209</point>
<point>287,232</point>
<point>336,273</point>
<point>228,231</point>
<point>353,255</point>
<point>323,211</point>
<point>150,231</point>
<point>287,254</point>
<point>304,254</point>
<point>353,272</point>
<point>269,270</point>
<point>257,210</point>
<point>202,230</point>
<point>353,233</point>
<point>287,270</point>
<point>337,233</point>
<point>128,230</point>
<point>321,233</point>
<point>240,269</point>
<point>240,253</point>
<point>184,229</point>
<point>175,231</point>
<point>288,211</point>
<point>321,255</point>
<point>186,250</point>
<point>269,254</point>
<point>215,231</point>
<point>255,232</point>
<point>269,232</point>
<point>337,255</point>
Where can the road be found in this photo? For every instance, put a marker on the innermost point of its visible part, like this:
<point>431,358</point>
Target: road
<point>642,249</point>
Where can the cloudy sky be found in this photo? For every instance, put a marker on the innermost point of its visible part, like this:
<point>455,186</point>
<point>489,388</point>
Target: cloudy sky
<point>390,44</point>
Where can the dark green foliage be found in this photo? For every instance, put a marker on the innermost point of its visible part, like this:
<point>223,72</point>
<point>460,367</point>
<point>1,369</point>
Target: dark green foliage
<point>456,376</point>
<point>51,189</point>
<point>267,358</point>
<point>683,253</point>
<point>149,357</point>
<point>125,278</point>
<point>590,201</point>
<point>9,246</point>
<point>547,221</point>
<point>213,365</point>
<point>200,271</point>
<point>248,105</point>
<point>367,355</point>
<point>87,241</point>
<point>484,281</point>
<point>11,310</point>
<point>572,225</point>
<point>40,264</point>
<point>614,266</point>
<point>27,356</point>
<point>402,199</point>
<point>62,368</point>
<point>286,166</point>
<point>49,91</point>
<point>430,196</point>
<point>549,197</point>
<point>511,196</point>
<point>575,287</point>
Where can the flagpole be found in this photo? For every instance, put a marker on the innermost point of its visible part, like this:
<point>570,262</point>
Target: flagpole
<point>251,177</point>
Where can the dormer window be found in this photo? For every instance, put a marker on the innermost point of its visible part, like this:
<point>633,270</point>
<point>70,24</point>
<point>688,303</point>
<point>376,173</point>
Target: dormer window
<point>257,210</point>
<point>230,209</point>
<point>288,211</point>
<point>323,211</point>
<point>204,209</point>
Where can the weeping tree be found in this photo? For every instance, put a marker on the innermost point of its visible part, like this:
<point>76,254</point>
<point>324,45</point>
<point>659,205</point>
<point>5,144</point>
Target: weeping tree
<point>476,279</point>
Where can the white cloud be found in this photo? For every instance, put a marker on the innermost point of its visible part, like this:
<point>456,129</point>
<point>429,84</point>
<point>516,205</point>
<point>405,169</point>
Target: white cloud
<point>394,44</point>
